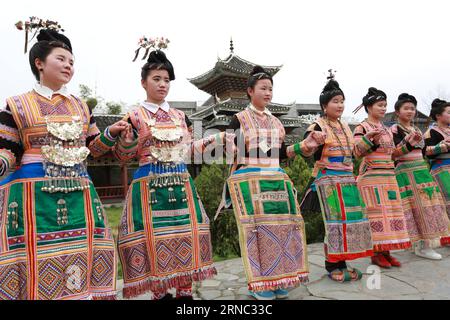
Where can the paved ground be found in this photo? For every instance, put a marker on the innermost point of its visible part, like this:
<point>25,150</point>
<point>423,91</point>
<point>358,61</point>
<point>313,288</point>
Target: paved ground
<point>417,279</point>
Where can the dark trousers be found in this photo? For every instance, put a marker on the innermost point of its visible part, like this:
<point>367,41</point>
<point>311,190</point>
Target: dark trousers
<point>331,266</point>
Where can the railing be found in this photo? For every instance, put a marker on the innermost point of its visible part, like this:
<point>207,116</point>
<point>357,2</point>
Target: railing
<point>111,192</point>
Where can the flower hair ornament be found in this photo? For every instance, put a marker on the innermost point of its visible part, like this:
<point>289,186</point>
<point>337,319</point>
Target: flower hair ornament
<point>150,43</point>
<point>35,24</point>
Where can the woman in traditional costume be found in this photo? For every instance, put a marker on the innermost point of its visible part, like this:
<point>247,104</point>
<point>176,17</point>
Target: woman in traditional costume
<point>377,184</point>
<point>333,186</point>
<point>437,141</point>
<point>164,234</point>
<point>55,242</point>
<point>271,228</point>
<point>422,202</point>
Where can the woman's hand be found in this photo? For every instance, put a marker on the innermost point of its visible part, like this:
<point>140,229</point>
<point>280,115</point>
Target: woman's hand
<point>230,147</point>
<point>315,139</point>
<point>118,127</point>
<point>127,134</point>
<point>446,142</point>
<point>414,138</point>
<point>374,134</point>
<point>228,138</point>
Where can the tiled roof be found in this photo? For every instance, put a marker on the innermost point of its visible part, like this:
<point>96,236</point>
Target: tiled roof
<point>237,105</point>
<point>210,101</point>
<point>183,104</point>
<point>233,64</point>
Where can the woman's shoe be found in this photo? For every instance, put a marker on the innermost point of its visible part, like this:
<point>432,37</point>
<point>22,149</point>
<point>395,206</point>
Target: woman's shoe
<point>340,275</point>
<point>281,293</point>
<point>380,260</point>
<point>394,262</point>
<point>427,253</point>
<point>263,295</point>
<point>354,273</point>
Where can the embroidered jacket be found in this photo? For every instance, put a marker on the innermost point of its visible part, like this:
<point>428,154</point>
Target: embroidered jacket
<point>435,146</point>
<point>374,156</point>
<point>260,140</point>
<point>24,127</point>
<point>404,151</point>
<point>337,148</point>
<point>162,137</point>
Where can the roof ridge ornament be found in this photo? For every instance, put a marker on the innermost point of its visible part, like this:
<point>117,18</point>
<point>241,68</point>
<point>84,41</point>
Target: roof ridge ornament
<point>217,98</point>
<point>231,46</point>
<point>291,104</point>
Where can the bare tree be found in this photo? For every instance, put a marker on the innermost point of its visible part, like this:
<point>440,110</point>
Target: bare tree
<point>85,91</point>
<point>441,92</point>
<point>86,94</point>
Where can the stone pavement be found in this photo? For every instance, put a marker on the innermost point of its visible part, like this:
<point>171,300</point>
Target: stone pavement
<point>417,279</point>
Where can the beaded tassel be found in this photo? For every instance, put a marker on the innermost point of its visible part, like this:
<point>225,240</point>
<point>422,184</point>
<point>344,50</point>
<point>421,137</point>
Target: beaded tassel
<point>153,199</point>
<point>99,209</point>
<point>62,217</point>
<point>164,175</point>
<point>13,215</point>
<point>183,194</point>
<point>171,195</point>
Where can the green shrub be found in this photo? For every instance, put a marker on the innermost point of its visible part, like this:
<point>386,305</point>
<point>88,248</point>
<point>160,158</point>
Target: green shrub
<point>298,170</point>
<point>300,173</point>
<point>314,227</point>
<point>224,233</point>
<point>92,103</point>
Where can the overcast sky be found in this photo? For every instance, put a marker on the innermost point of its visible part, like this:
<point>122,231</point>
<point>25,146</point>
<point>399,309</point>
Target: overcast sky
<point>397,46</point>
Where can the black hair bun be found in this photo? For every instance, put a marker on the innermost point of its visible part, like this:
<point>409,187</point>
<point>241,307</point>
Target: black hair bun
<point>258,69</point>
<point>372,91</point>
<point>331,85</point>
<point>330,90</point>
<point>373,95</point>
<point>438,103</point>
<point>53,35</point>
<point>404,96</point>
<point>157,56</point>
<point>408,98</point>
<point>438,107</point>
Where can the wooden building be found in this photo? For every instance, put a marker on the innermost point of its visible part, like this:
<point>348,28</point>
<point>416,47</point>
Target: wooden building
<point>421,121</point>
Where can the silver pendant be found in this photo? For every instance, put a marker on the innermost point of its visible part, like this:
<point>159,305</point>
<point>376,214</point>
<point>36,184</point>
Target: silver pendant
<point>264,146</point>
